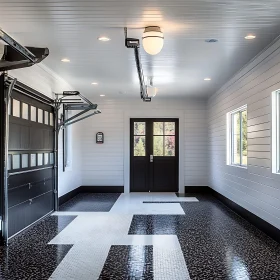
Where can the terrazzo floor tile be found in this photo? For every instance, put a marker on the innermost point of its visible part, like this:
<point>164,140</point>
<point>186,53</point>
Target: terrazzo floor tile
<point>90,202</point>
<point>29,257</point>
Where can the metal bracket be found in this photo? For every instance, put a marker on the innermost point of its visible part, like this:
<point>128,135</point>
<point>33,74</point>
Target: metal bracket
<point>134,44</point>
<point>17,56</point>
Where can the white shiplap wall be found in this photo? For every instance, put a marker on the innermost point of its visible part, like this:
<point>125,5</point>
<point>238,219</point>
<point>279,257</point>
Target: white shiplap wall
<point>254,188</point>
<point>42,79</point>
<point>108,164</point>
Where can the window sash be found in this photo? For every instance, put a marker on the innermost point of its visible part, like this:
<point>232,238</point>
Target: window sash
<point>232,132</point>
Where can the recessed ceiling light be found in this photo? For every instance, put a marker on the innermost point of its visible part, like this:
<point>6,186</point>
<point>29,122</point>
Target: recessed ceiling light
<point>65,60</point>
<point>102,95</point>
<point>94,83</point>
<point>104,39</point>
<point>207,79</point>
<point>250,37</point>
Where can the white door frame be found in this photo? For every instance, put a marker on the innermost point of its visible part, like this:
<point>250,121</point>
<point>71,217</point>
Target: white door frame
<point>178,114</point>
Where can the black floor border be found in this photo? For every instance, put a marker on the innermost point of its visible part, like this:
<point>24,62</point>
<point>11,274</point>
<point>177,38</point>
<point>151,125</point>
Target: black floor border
<point>90,189</point>
<point>258,222</point>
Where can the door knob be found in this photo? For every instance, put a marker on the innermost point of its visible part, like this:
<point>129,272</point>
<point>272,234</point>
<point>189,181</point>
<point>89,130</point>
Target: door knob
<point>151,158</point>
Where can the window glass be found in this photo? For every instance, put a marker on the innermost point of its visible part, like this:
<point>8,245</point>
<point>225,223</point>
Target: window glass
<point>51,119</point>
<point>158,146</point>
<point>237,151</point>
<point>16,161</point>
<point>33,160</point>
<point>40,115</point>
<point>46,117</point>
<point>46,158</point>
<point>16,108</point>
<point>158,128</point>
<point>40,159</point>
<point>236,138</point>
<point>25,111</point>
<point>24,160</point>
<point>244,138</point>
<point>33,113</point>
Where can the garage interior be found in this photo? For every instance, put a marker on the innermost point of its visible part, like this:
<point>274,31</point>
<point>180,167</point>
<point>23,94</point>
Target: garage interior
<point>139,139</point>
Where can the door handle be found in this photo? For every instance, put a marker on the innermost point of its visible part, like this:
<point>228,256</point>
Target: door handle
<point>151,158</point>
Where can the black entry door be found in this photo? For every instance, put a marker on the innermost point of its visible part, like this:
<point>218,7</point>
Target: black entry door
<point>154,155</point>
<point>31,161</point>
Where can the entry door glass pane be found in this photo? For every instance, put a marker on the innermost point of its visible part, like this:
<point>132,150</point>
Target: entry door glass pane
<point>139,139</point>
<point>164,139</point>
<point>236,138</point>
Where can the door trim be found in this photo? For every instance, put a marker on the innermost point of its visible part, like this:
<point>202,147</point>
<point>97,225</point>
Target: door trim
<point>154,113</point>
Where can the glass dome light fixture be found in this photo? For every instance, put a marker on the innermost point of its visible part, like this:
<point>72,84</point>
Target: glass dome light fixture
<point>151,90</point>
<point>152,40</point>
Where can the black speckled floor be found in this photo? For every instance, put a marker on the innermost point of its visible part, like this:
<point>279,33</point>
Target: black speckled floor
<point>28,255</point>
<point>128,262</point>
<point>90,202</point>
<point>216,242</point>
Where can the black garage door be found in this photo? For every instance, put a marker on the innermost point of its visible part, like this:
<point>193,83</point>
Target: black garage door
<point>31,161</point>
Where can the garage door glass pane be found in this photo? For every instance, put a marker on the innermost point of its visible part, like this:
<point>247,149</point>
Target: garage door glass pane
<point>40,159</point>
<point>51,119</point>
<point>33,113</point>
<point>25,111</point>
<point>24,161</point>
<point>46,117</point>
<point>33,160</point>
<point>16,161</point>
<point>16,108</point>
<point>9,162</point>
<point>40,116</point>
<point>46,158</point>
<point>139,146</point>
<point>51,158</point>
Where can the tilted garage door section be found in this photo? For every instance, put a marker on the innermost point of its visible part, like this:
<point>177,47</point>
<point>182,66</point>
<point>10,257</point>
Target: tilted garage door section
<point>31,161</point>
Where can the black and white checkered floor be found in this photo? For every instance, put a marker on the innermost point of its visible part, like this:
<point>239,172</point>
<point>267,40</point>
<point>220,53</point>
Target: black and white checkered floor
<point>141,236</point>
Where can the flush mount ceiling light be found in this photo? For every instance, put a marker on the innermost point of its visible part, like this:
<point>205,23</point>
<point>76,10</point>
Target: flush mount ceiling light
<point>65,60</point>
<point>152,40</point>
<point>250,37</point>
<point>104,39</point>
<point>207,79</point>
<point>151,90</point>
<point>102,95</point>
<point>94,83</point>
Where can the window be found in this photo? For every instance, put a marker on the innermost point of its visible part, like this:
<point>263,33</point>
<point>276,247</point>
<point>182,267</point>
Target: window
<point>24,160</point>
<point>33,113</point>
<point>237,137</point>
<point>46,118</point>
<point>139,139</point>
<point>40,116</point>
<point>164,139</point>
<point>276,132</point>
<point>33,160</point>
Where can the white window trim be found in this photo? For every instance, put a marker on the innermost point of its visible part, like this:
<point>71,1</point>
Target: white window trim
<point>275,132</point>
<point>229,137</point>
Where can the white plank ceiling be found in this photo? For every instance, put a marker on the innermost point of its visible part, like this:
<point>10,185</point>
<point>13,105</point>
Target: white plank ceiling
<point>71,28</point>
